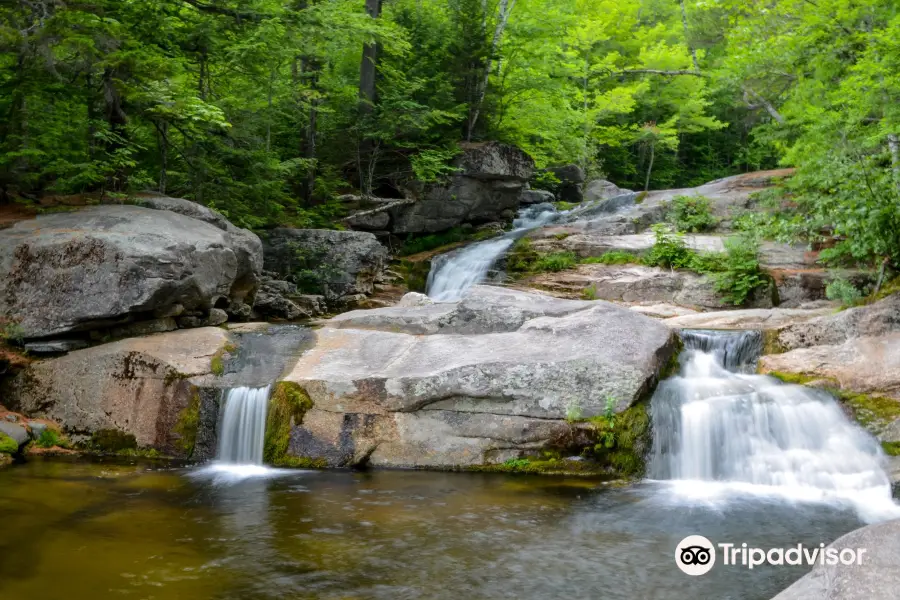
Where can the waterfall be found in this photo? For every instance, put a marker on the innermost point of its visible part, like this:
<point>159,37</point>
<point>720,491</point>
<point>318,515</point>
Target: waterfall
<point>718,428</point>
<point>453,273</point>
<point>242,428</point>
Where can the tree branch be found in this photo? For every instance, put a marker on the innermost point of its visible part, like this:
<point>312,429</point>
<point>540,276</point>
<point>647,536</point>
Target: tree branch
<point>221,10</point>
<point>662,72</point>
<point>763,103</point>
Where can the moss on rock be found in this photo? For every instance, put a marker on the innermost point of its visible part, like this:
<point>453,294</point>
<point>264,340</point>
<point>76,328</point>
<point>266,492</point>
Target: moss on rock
<point>544,465</point>
<point>891,448</point>
<point>187,424</point>
<point>7,444</point>
<point>217,362</point>
<point>112,440</point>
<point>621,441</point>
<point>287,406</point>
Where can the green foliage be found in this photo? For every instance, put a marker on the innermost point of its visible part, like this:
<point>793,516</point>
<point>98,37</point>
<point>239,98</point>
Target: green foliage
<point>423,243</point>
<point>668,250</point>
<point>613,257</point>
<point>590,292</point>
<point>11,331</point>
<point>51,438</point>
<point>573,412</point>
<point>433,165</point>
<point>524,259</point>
<point>7,444</point>
<point>843,290</point>
<point>691,214</point>
<point>738,276</point>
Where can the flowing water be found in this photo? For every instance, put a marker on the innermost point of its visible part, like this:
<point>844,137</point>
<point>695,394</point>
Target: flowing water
<point>241,435</point>
<point>720,430</point>
<point>84,530</point>
<point>453,273</point>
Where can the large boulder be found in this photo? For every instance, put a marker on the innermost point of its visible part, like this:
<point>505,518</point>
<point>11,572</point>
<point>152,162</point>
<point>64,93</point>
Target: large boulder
<point>571,180</point>
<point>749,318</point>
<point>103,266</point>
<point>335,264</point>
<point>140,385</point>
<point>601,189</point>
<point>489,181</point>
<point>469,383</point>
<point>875,577</point>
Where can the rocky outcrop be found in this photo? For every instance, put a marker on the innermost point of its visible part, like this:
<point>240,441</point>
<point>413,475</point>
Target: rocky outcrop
<point>571,180</point>
<point>339,265</point>
<point>107,266</point>
<point>140,386</point>
<point>489,182</point>
<point>875,577</point>
<point>877,319</point>
<point>750,318</point>
<point>634,284</point>
<point>469,383</point>
<point>601,189</point>
<point>537,197</point>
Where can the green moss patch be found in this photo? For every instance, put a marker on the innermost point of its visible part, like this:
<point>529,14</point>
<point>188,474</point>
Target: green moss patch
<point>891,448</point>
<point>620,440</point>
<point>51,438</point>
<point>301,462</point>
<point>287,407</point>
<point>187,424</point>
<point>872,411</point>
<point>112,440</point>
<point>542,466</point>
<point>217,362</point>
<point>8,445</point>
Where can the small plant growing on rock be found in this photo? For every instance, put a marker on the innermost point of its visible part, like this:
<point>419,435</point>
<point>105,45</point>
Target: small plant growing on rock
<point>691,214</point>
<point>613,257</point>
<point>573,412</point>
<point>842,290</point>
<point>50,438</point>
<point>739,275</point>
<point>7,444</point>
<point>590,292</point>
<point>669,249</point>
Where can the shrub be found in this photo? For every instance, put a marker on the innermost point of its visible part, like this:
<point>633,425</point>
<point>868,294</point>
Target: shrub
<point>668,249</point>
<point>738,274</point>
<point>691,214</point>
<point>523,258</point>
<point>590,292</point>
<point>50,438</point>
<point>841,289</point>
<point>557,261</point>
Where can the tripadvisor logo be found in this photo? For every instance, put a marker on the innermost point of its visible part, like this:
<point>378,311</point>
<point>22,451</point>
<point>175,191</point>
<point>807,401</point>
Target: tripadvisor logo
<point>696,555</point>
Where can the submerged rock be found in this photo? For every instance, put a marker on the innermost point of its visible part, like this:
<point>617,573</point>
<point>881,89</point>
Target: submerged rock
<point>469,383</point>
<point>104,266</point>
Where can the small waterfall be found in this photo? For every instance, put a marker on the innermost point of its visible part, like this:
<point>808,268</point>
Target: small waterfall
<point>453,273</point>
<point>718,427</point>
<point>242,428</point>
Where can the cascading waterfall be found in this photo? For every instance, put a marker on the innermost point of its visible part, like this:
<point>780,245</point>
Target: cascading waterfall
<point>718,428</point>
<point>454,273</point>
<point>242,428</point>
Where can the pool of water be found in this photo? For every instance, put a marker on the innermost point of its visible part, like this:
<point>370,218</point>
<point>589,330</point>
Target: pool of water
<point>86,530</point>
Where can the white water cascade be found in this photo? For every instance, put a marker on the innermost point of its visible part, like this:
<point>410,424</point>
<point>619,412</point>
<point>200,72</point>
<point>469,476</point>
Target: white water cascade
<point>719,429</point>
<point>453,273</point>
<point>243,426</point>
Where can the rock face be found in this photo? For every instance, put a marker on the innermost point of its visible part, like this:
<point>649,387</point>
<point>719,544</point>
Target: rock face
<point>867,365</point>
<point>601,189</point>
<point>750,318</point>
<point>335,264</point>
<point>633,284</point>
<point>469,383</point>
<point>865,321</point>
<point>877,577</point>
<point>139,385</point>
<point>571,179</point>
<point>490,181</point>
<point>537,197</point>
<point>107,265</point>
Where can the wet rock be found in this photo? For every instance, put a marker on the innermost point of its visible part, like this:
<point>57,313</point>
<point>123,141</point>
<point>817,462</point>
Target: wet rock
<point>537,197</point>
<point>103,266</point>
<point>876,577</point>
<point>452,384</point>
<point>601,189</point>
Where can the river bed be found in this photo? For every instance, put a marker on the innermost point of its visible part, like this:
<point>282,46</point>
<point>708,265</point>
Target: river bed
<point>87,529</point>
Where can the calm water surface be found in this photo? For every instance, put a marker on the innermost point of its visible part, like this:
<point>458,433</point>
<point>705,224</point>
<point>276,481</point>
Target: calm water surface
<point>90,530</point>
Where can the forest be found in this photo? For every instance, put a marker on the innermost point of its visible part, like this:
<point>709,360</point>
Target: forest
<point>268,110</point>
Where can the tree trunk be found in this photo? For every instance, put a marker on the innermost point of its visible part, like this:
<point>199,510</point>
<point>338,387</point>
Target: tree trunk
<point>369,65</point>
<point>893,141</point>
<point>650,166</point>
<point>162,132</point>
<point>687,39</point>
<point>310,68</point>
<point>117,121</point>
<point>503,12</point>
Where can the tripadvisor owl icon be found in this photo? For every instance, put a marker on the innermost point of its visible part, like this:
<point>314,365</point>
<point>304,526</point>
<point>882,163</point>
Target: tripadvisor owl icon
<point>695,555</point>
